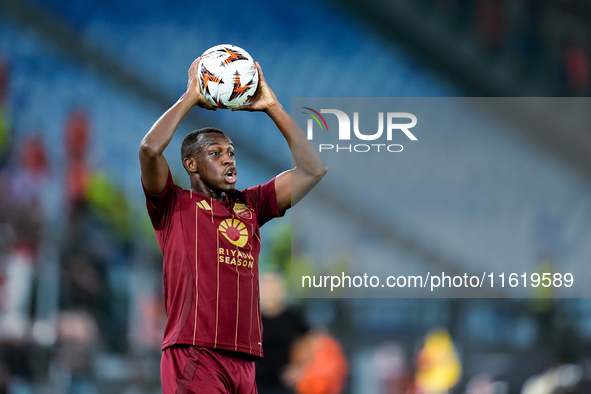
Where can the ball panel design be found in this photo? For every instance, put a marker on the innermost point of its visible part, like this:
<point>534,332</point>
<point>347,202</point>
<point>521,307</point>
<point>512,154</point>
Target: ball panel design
<point>227,76</point>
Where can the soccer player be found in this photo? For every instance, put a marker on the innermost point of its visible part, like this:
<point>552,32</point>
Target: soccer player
<point>209,236</point>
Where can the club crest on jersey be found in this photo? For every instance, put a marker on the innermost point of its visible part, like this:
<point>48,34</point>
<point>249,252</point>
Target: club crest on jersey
<point>235,231</point>
<point>242,211</point>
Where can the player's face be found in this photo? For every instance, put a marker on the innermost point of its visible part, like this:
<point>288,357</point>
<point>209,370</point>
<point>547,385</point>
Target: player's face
<point>215,162</point>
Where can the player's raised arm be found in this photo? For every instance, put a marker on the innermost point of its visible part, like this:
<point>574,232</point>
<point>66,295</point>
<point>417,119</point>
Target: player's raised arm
<point>152,162</point>
<point>290,186</point>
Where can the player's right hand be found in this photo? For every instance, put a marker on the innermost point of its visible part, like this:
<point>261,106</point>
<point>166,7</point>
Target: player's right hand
<point>194,87</point>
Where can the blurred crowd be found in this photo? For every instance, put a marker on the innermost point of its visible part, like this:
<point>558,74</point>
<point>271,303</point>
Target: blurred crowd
<point>545,42</point>
<point>65,259</point>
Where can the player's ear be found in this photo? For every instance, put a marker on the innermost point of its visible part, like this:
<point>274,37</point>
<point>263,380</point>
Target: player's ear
<point>190,165</point>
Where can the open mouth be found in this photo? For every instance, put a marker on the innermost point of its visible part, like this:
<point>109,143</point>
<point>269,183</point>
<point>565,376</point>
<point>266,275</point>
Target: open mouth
<point>230,175</point>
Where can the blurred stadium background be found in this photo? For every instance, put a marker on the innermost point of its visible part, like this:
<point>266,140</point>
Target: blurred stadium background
<point>81,81</point>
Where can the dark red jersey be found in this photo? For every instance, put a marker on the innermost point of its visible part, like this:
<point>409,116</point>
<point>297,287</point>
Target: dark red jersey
<point>211,251</point>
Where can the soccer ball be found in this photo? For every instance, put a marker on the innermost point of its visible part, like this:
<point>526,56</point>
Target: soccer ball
<point>227,76</point>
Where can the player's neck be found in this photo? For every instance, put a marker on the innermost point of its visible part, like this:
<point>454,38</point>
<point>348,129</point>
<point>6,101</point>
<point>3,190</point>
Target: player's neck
<point>206,190</point>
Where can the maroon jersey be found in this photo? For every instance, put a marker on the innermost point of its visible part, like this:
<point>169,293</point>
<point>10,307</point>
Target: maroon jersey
<point>211,250</point>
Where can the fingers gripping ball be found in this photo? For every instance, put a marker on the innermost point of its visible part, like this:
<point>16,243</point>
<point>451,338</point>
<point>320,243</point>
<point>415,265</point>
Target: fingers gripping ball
<point>227,76</point>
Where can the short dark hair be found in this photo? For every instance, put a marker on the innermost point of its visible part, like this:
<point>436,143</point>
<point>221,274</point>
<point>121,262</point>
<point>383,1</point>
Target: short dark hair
<point>191,144</point>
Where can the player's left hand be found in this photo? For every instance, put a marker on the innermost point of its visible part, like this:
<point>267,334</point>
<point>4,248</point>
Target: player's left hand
<point>263,99</point>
